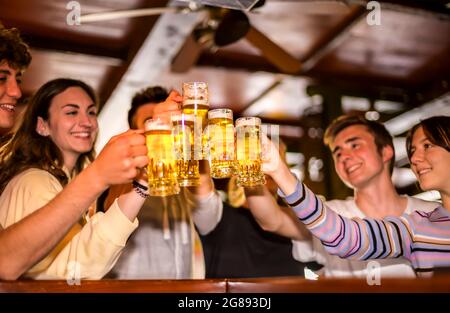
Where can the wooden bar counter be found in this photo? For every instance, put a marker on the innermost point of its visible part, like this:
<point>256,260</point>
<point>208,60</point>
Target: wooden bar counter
<point>438,284</point>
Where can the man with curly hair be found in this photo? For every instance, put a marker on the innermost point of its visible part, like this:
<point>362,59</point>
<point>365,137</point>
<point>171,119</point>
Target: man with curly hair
<point>167,245</point>
<point>14,59</point>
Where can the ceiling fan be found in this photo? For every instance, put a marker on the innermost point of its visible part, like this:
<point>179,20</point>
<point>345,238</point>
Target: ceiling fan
<point>225,24</point>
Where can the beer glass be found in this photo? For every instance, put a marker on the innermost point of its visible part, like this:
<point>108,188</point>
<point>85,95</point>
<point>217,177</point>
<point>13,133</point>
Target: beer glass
<point>162,175</point>
<point>248,152</point>
<point>196,101</point>
<point>220,132</point>
<point>187,141</point>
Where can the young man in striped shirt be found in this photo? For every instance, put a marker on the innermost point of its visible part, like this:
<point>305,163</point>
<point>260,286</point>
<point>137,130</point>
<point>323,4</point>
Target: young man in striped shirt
<point>363,153</point>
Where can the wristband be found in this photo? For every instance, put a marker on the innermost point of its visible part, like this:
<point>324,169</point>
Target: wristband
<point>140,189</point>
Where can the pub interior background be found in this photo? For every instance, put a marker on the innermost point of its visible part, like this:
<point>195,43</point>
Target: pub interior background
<point>297,64</point>
<point>308,62</point>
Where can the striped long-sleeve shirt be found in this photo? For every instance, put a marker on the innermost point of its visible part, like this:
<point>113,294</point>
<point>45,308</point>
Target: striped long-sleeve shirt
<point>423,238</point>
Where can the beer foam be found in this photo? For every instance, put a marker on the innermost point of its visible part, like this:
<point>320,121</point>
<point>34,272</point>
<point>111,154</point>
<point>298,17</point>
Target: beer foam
<point>196,101</point>
<point>220,113</point>
<point>157,125</point>
<point>248,121</point>
<point>183,116</point>
<point>195,85</point>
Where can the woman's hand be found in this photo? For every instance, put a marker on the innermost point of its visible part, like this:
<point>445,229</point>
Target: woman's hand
<point>270,157</point>
<point>121,160</point>
<point>274,166</point>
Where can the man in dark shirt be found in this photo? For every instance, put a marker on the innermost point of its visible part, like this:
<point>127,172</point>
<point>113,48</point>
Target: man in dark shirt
<point>239,247</point>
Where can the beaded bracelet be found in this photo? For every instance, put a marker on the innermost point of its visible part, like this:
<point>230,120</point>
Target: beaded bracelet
<point>140,189</point>
<point>139,185</point>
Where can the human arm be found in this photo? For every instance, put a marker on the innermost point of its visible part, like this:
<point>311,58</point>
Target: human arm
<point>205,201</point>
<point>26,241</point>
<point>348,238</point>
<point>87,251</point>
<point>359,239</point>
<point>274,218</point>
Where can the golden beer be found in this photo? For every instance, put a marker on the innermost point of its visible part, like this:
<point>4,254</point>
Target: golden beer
<point>198,109</point>
<point>221,143</point>
<point>188,151</point>
<point>248,152</point>
<point>162,175</point>
<point>196,101</point>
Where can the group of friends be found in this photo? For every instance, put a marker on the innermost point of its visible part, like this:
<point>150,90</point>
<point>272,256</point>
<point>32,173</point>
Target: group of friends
<point>60,204</point>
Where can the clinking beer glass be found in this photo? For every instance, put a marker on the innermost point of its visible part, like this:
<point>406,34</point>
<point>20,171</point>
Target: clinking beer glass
<point>248,150</point>
<point>188,148</point>
<point>220,132</point>
<point>162,176</point>
<point>196,101</point>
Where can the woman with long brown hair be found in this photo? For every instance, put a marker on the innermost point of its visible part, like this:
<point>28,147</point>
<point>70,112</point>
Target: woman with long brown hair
<point>52,145</point>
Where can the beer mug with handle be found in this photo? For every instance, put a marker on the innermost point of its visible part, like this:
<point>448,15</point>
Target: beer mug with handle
<point>221,143</point>
<point>162,175</point>
<point>196,101</point>
<point>248,152</point>
<point>187,141</point>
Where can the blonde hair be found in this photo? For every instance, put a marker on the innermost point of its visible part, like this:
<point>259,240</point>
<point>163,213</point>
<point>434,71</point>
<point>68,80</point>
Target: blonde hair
<point>236,194</point>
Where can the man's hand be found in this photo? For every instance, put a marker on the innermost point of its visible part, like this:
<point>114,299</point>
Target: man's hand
<point>172,105</point>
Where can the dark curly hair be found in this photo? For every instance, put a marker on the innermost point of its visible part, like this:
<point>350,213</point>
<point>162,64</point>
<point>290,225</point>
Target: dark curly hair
<point>13,49</point>
<point>153,94</point>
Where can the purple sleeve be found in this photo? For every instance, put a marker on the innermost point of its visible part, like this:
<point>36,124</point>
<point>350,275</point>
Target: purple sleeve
<point>355,238</point>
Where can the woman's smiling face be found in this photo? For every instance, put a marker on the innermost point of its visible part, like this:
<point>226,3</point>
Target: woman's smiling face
<point>430,163</point>
<point>72,123</point>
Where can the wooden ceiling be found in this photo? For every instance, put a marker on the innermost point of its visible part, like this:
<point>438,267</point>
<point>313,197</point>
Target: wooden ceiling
<point>409,50</point>
<point>97,53</point>
<point>406,58</point>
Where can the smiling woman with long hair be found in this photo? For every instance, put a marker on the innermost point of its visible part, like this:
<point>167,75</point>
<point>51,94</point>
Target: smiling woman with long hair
<point>52,145</point>
<point>421,237</point>
<point>32,148</point>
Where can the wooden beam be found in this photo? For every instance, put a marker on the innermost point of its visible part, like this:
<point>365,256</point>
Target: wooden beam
<point>274,85</point>
<point>285,62</point>
<point>236,60</point>
<point>437,8</point>
<point>41,41</point>
<point>332,38</point>
<point>139,31</point>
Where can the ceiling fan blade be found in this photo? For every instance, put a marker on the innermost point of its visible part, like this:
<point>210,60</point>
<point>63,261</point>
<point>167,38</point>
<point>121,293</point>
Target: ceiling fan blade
<point>274,53</point>
<point>106,16</point>
<point>245,5</point>
<point>187,56</point>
